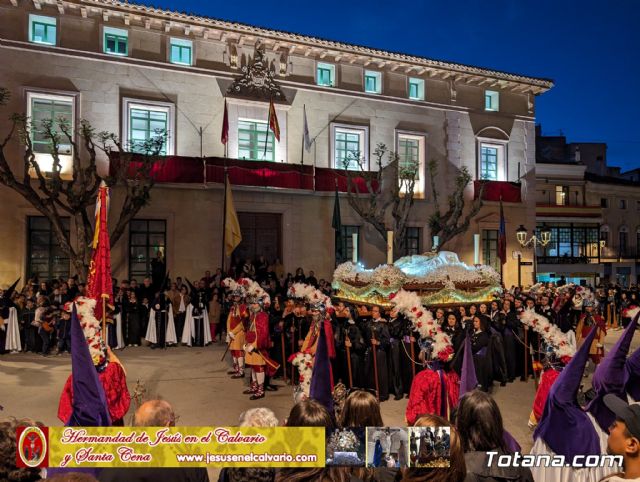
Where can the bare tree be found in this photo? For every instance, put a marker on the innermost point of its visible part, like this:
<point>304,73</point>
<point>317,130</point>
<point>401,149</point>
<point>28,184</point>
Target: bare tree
<point>58,197</point>
<point>389,193</point>
<point>453,221</point>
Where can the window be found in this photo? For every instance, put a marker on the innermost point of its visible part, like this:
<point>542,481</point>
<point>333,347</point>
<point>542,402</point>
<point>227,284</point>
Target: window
<point>562,195</point>
<point>623,241</point>
<point>411,154</point>
<point>489,163</point>
<point>416,89</point>
<point>147,120</point>
<point>42,30</point>
<point>637,205</point>
<point>490,248</point>
<point>116,41</point>
<point>349,145</point>
<point>372,82</point>
<point>623,204</point>
<point>604,202</point>
<point>604,234</point>
<point>412,241</point>
<point>45,257</point>
<point>491,100</point>
<point>252,137</point>
<point>326,75</point>
<point>180,51</point>
<point>147,237</point>
<point>344,244</point>
<point>570,243</point>
<point>43,108</point>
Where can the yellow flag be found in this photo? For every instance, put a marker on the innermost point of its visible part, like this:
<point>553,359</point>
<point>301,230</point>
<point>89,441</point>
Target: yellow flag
<point>232,233</point>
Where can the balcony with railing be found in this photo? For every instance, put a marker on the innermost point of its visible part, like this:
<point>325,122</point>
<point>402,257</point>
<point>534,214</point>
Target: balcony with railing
<point>263,174</point>
<point>509,192</point>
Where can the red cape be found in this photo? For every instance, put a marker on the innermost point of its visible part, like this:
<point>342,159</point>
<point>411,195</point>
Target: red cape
<point>114,383</point>
<point>425,398</point>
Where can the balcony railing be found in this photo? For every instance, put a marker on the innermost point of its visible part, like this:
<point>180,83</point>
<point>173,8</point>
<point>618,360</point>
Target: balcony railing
<point>566,259</point>
<point>194,170</point>
<point>509,192</point>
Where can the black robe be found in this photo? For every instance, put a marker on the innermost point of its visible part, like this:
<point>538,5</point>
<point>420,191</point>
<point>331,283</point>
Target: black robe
<point>482,358</point>
<point>132,328</point>
<point>161,306</point>
<point>396,352</point>
<point>199,299</point>
<point>380,331</point>
<point>357,354</point>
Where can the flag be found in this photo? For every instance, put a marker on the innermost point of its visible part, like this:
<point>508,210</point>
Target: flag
<point>99,281</point>
<point>502,237</point>
<point>336,224</point>
<point>273,120</point>
<point>305,129</point>
<point>224,137</point>
<point>89,402</point>
<point>232,233</point>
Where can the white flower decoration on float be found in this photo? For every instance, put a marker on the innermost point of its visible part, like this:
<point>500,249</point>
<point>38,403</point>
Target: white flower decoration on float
<point>408,303</point>
<point>551,334</point>
<point>310,294</point>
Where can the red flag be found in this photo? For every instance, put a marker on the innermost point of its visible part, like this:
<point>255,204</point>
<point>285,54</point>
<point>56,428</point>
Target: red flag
<point>224,138</point>
<point>99,283</point>
<point>273,121</point>
<point>502,237</point>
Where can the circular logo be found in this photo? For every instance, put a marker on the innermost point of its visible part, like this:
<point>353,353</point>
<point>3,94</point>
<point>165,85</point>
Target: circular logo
<point>33,446</point>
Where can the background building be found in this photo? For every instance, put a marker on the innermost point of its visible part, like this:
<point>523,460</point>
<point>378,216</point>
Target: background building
<point>592,211</point>
<point>130,69</point>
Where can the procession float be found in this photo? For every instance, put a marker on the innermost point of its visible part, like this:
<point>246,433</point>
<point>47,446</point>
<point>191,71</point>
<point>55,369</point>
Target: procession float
<point>438,278</point>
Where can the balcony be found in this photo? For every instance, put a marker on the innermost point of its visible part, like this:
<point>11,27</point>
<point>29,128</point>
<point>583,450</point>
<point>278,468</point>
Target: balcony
<point>264,174</point>
<point>566,260</point>
<point>568,210</point>
<point>509,192</point>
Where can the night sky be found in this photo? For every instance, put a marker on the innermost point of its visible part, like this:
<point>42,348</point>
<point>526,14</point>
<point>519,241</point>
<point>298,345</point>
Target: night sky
<point>590,48</point>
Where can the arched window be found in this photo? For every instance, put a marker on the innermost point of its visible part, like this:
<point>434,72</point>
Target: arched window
<point>492,154</point>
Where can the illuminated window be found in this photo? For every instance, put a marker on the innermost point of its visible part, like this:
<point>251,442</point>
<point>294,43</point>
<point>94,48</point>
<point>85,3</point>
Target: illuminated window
<point>116,41</point>
<point>349,147</point>
<point>491,100</point>
<point>372,82</point>
<point>326,75</point>
<point>44,108</point>
<point>416,89</point>
<point>42,30</point>
<point>145,121</point>
<point>180,51</point>
<point>412,241</point>
<point>252,137</point>
<point>562,195</point>
<point>489,163</point>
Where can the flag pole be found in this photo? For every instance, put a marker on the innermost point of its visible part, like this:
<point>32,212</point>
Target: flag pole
<point>224,219</point>
<point>266,139</point>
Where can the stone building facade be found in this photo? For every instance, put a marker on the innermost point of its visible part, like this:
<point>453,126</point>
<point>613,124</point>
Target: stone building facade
<point>129,68</point>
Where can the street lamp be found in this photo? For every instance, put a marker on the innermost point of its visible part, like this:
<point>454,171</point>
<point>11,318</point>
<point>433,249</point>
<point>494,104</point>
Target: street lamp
<point>534,241</point>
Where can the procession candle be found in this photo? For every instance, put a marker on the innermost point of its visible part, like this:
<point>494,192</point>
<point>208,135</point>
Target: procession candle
<point>354,242</point>
<point>476,249</point>
<point>389,247</point>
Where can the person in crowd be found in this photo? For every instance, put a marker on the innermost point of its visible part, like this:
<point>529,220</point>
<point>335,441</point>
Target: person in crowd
<point>158,271</point>
<point>376,334</point>
<point>361,409</point>
<point>132,327</point>
<point>589,319</point>
<point>63,328</point>
<point>154,413</point>
<point>481,353</point>
<point>479,424</point>
<point>299,277</point>
<point>214,311</point>
<point>312,280</point>
<point>624,438</point>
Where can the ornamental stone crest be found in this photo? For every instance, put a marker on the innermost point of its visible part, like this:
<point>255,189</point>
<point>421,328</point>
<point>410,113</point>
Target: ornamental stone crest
<point>257,80</point>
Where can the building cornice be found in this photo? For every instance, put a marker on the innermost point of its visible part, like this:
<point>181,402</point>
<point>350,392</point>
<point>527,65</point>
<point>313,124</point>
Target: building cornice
<point>234,33</point>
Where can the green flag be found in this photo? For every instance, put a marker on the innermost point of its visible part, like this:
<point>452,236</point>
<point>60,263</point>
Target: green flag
<point>336,224</point>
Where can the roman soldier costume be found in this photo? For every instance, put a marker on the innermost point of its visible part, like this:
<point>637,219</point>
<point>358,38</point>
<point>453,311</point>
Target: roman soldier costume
<point>235,327</point>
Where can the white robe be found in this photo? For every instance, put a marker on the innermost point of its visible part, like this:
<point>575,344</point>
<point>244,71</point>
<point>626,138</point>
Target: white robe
<point>118,324</point>
<point>568,474</point>
<point>170,335</point>
<point>12,342</point>
<point>189,327</point>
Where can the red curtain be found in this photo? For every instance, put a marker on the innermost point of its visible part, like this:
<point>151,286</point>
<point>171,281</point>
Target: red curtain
<point>493,190</point>
<point>179,169</point>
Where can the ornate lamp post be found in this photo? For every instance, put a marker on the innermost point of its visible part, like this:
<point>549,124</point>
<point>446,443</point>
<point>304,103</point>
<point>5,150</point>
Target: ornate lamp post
<point>533,241</point>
